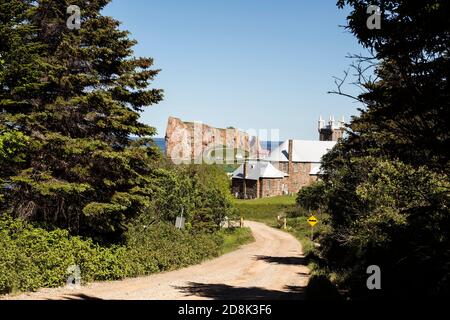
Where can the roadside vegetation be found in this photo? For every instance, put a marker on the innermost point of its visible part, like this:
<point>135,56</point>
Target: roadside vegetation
<point>297,210</point>
<point>264,209</point>
<point>81,182</point>
<point>35,255</point>
<point>32,258</point>
<point>386,184</point>
<point>234,238</point>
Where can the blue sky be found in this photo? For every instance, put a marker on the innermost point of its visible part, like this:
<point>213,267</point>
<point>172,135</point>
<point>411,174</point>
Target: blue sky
<point>261,64</point>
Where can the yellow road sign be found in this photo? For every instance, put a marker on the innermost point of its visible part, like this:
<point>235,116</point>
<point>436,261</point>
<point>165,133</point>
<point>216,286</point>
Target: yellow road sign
<point>312,221</point>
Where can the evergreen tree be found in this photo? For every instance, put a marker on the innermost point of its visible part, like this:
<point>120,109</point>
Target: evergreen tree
<point>74,97</point>
<point>386,186</point>
<point>408,108</point>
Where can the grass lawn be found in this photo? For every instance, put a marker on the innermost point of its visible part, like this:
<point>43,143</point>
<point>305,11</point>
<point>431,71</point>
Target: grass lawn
<point>265,209</point>
<point>234,238</point>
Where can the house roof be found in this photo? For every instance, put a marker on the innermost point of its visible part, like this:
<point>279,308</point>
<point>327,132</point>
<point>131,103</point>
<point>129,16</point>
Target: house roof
<point>258,169</point>
<point>315,169</point>
<point>303,151</point>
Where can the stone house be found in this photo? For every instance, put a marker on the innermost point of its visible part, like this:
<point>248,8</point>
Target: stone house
<point>288,168</point>
<point>262,179</point>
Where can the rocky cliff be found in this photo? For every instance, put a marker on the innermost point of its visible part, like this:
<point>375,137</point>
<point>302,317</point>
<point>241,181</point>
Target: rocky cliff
<point>190,140</point>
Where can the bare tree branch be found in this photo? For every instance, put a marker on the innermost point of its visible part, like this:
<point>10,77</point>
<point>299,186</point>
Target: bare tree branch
<point>363,67</point>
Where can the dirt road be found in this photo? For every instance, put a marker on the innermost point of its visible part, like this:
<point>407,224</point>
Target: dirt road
<point>272,267</point>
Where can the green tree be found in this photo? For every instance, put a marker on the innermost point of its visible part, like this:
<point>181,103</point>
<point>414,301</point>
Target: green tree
<point>407,108</point>
<point>312,197</point>
<point>387,184</point>
<point>76,95</point>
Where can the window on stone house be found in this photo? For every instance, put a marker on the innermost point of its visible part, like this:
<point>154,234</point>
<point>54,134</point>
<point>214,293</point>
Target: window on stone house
<point>268,185</point>
<point>296,165</point>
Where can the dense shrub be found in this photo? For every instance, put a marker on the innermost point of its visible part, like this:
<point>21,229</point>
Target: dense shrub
<point>390,214</point>
<point>32,257</point>
<point>312,197</point>
<point>387,182</point>
<point>161,247</point>
<point>200,192</point>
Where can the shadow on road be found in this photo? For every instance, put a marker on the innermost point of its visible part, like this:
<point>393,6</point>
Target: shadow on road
<point>226,292</point>
<point>283,260</point>
<point>78,296</point>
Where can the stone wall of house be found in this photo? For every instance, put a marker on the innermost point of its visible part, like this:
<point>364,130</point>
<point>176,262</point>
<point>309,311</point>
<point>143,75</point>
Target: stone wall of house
<point>272,187</point>
<point>299,176</point>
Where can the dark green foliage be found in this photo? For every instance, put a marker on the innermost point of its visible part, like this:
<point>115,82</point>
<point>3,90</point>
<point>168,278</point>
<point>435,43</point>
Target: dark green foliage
<point>387,184</point>
<point>312,197</point>
<point>408,108</point>
<point>75,97</point>
<point>161,247</point>
<point>398,219</point>
<point>31,258</point>
<point>70,101</point>
<point>201,192</point>
<point>320,288</point>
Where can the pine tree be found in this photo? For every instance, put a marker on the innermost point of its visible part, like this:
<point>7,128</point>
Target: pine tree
<point>386,185</point>
<point>75,95</point>
<point>407,110</point>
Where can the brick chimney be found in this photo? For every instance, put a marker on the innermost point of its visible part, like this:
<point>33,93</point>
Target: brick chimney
<point>290,165</point>
<point>290,152</point>
<point>244,184</point>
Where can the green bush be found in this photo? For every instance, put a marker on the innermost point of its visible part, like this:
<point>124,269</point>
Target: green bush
<point>161,247</point>
<point>312,197</point>
<point>320,288</point>
<point>390,214</point>
<point>31,258</point>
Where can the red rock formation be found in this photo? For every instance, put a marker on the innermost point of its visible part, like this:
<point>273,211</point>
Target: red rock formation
<point>188,141</point>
